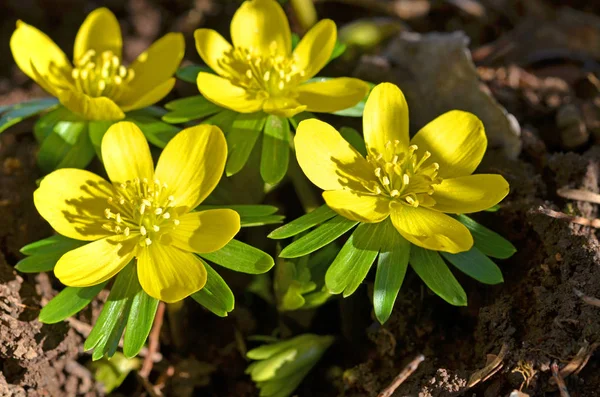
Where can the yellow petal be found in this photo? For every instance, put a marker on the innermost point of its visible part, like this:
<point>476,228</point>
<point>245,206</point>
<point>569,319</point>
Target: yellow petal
<point>431,229</point>
<point>211,47</point>
<point>356,206</point>
<point>205,231</point>
<point>100,108</point>
<point>152,96</point>
<point>192,164</point>
<point>126,153</point>
<point>221,92</point>
<point>29,45</point>
<point>471,193</point>
<point>457,142</point>
<point>49,83</point>
<point>385,117</point>
<point>332,95</point>
<point>154,66</point>
<point>263,26</point>
<point>168,273</point>
<point>284,107</point>
<point>99,32</point>
<point>314,50</point>
<point>73,201</point>
<point>328,160</point>
<point>95,262</point>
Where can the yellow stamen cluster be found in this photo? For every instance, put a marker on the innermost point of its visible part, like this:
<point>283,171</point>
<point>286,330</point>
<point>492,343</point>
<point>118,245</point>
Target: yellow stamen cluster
<point>401,176</point>
<point>101,74</point>
<point>267,75</point>
<point>143,208</point>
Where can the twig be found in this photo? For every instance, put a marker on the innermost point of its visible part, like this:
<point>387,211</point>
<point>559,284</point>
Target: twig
<point>590,300</point>
<point>562,388</point>
<point>149,387</point>
<point>402,376</point>
<point>595,223</point>
<point>579,195</point>
<point>153,341</point>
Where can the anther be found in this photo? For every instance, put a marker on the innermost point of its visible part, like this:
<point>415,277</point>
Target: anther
<point>143,231</point>
<point>119,217</point>
<point>394,193</point>
<point>176,222</point>
<point>166,215</point>
<point>158,211</point>
<point>386,181</point>
<point>126,232</point>
<point>148,241</point>
<point>156,228</point>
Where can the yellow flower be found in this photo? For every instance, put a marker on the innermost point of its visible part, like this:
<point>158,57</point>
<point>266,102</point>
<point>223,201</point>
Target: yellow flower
<point>413,181</point>
<point>144,213</point>
<point>98,86</point>
<point>260,71</point>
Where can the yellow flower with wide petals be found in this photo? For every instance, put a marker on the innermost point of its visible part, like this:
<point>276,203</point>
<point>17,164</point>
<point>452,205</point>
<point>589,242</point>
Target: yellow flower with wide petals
<point>144,213</point>
<point>261,72</point>
<point>414,181</point>
<point>97,86</point>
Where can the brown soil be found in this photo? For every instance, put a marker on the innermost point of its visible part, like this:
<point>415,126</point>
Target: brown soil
<point>535,314</point>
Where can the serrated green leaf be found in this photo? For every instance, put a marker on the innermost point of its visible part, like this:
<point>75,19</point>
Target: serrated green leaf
<point>189,109</point>
<point>56,244</point>
<point>303,223</point>
<point>216,295</point>
<point>318,238</point>
<point>487,241</point>
<point>156,132</point>
<point>68,146</point>
<point>139,323</point>
<point>391,269</point>
<point>19,112</point>
<point>431,268</point>
<point>104,337</point>
<point>351,265</point>
<point>241,138</point>
<point>241,257</point>
<point>275,155</point>
<point>68,302</point>
<point>477,265</point>
<point>355,139</point>
<point>189,73</point>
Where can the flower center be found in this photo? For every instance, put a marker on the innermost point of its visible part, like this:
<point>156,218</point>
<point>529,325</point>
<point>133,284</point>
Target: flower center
<point>401,175</point>
<point>269,75</point>
<point>101,74</point>
<point>141,207</point>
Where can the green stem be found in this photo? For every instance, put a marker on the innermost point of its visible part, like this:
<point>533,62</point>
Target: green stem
<point>175,312</point>
<point>305,12</point>
<point>304,189</point>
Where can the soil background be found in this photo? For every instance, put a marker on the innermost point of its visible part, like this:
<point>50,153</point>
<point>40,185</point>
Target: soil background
<point>539,59</point>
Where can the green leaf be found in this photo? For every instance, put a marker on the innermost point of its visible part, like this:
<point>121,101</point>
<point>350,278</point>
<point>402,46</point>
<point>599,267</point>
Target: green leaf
<point>104,337</point>
<point>354,138</point>
<point>351,265</point>
<point>38,263</point>
<point>68,302</point>
<point>56,244</point>
<point>241,257</point>
<point>436,275</point>
<point>391,269</point>
<point>318,238</point>
<point>223,120</point>
<point>358,109</point>
<point>189,73</point>
<point>338,50</point>
<point>275,150</point>
<point>19,112</point>
<point>68,146</point>
<point>45,124</point>
<point>216,295</point>
<point>488,242</point>
<point>305,222</point>
<point>139,323</point>
<point>477,265</point>
<point>242,137</point>
<point>156,132</point>
<point>295,120</point>
<point>97,129</point>
<point>188,109</point>
<point>250,215</point>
